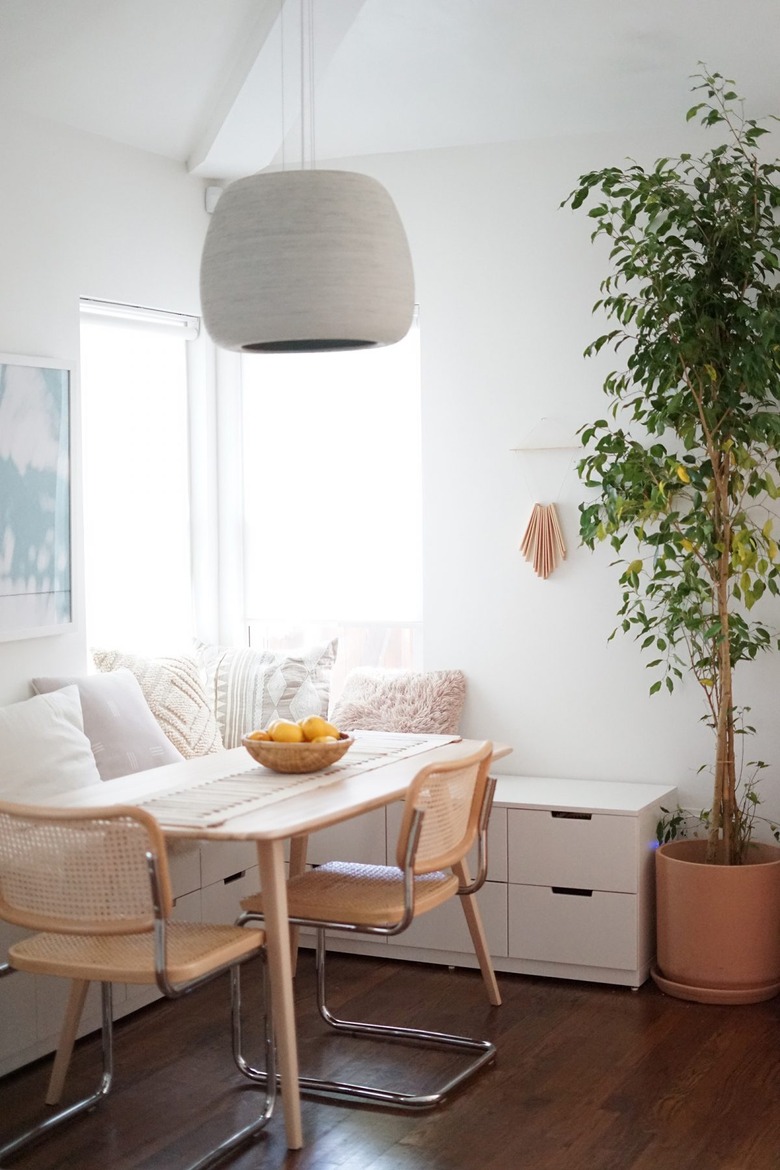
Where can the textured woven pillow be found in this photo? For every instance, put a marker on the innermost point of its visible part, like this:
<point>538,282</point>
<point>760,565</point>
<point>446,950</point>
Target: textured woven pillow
<point>248,688</point>
<point>428,702</point>
<point>174,691</point>
<point>43,749</point>
<point>124,734</point>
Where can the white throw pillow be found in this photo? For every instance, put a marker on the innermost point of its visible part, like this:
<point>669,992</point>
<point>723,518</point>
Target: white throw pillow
<point>174,691</point>
<point>248,688</point>
<point>43,749</point>
<point>124,734</point>
<point>429,702</point>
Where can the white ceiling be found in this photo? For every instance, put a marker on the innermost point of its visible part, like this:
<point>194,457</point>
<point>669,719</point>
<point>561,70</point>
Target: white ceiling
<point>201,81</point>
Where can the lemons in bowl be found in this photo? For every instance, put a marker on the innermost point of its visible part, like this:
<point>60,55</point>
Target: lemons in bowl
<point>309,745</point>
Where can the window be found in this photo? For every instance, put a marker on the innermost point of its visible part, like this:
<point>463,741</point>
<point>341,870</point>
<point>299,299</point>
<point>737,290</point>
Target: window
<point>136,477</point>
<point>333,501</point>
<point>307,509</point>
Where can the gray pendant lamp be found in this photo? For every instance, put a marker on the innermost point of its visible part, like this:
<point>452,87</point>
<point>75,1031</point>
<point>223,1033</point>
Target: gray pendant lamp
<point>306,260</point>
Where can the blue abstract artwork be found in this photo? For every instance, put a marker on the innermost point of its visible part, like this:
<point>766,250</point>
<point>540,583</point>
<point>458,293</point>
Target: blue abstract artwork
<point>35,536</point>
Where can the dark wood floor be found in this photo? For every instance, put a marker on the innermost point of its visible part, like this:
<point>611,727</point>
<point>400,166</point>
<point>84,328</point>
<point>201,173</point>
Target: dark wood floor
<point>588,1077</point>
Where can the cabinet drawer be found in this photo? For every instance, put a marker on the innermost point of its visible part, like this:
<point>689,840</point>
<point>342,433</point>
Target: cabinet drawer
<point>187,908</point>
<point>599,930</point>
<point>592,851</point>
<point>17,1011</point>
<point>360,839</point>
<point>221,901</point>
<point>221,859</point>
<point>184,866</point>
<point>445,929</point>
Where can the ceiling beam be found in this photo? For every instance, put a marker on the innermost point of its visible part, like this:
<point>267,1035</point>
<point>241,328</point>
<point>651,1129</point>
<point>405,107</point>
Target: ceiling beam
<point>251,41</point>
<point>260,109</point>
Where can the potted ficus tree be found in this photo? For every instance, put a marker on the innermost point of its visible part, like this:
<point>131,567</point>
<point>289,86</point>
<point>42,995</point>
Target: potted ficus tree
<point>686,469</point>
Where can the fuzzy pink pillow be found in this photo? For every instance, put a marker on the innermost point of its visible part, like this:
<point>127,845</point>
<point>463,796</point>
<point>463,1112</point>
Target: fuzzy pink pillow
<point>429,702</point>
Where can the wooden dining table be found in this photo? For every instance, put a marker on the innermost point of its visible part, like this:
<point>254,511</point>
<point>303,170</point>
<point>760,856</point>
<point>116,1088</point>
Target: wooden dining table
<point>226,796</point>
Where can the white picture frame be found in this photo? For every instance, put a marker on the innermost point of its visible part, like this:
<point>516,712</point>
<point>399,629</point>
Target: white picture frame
<point>36,570</point>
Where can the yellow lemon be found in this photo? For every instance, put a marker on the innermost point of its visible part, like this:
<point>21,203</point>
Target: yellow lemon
<point>314,727</point>
<point>325,739</point>
<point>258,735</point>
<point>284,731</point>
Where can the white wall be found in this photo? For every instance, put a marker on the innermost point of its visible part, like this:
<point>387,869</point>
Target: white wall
<point>84,217</point>
<point>506,281</point>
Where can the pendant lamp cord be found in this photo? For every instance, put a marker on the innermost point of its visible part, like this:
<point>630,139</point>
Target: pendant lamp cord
<point>302,71</point>
<point>283,79</point>
<point>307,82</point>
<point>311,83</point>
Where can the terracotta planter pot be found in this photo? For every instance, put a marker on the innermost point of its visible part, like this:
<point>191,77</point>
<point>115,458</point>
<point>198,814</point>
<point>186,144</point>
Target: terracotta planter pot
<point>718,925</point>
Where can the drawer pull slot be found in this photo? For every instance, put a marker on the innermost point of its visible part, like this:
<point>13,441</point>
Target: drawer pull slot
<point>571,816</point>
<point>234,877</point>
<point>572,891</point>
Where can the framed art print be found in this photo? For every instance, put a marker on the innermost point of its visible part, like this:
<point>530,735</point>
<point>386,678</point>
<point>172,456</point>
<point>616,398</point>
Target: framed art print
<point>35,497</point>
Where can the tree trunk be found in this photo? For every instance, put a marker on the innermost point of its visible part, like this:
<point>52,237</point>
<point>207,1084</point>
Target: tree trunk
<point>723,841</point>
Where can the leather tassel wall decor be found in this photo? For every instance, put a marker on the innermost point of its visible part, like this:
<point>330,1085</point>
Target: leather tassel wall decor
<point>543,540</point>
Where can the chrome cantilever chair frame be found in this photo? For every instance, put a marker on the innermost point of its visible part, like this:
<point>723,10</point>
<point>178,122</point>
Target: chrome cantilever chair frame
<point>483,1051</point>
<point>160,904</point>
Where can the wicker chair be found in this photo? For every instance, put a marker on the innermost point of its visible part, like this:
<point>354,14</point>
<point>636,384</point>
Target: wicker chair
<point>447,807</point>
<point>95,883</point>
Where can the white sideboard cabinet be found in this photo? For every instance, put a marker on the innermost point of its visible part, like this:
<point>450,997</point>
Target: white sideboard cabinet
<point>580,876</point>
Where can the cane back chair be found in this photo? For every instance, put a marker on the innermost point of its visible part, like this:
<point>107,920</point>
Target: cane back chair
<point>446,808</point>
<point>95,884</point>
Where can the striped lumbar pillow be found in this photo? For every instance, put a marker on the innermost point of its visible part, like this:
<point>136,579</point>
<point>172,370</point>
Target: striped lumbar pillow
<point>248,688</point>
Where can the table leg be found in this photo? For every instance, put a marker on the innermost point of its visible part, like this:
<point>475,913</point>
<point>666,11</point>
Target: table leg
<point>298,847</point>
<point>270,856</point>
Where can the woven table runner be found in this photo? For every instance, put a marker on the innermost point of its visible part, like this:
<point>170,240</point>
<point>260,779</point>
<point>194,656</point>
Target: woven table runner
<point>212,802</point>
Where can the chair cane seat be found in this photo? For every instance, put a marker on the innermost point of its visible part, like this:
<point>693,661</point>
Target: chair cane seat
<point>368,895</point>
<point>193,949</point>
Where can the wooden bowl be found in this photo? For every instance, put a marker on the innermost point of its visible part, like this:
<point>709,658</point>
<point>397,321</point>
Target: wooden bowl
<point>296,757</point>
